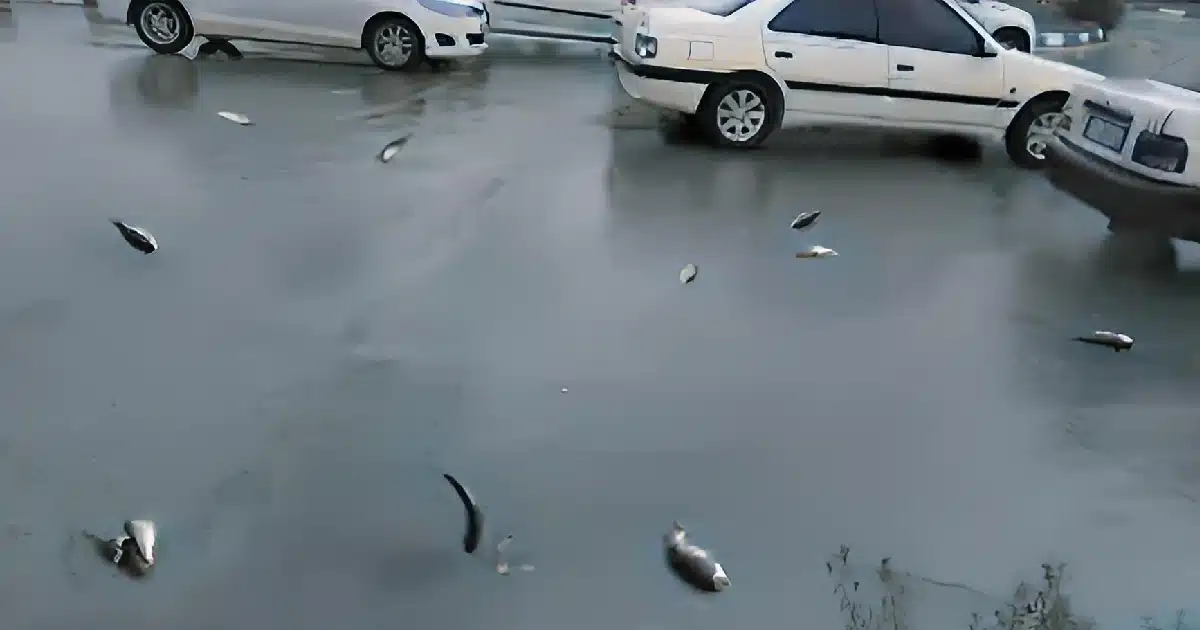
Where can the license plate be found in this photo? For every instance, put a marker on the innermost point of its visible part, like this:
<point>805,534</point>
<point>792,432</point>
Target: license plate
<point>1106,133</point>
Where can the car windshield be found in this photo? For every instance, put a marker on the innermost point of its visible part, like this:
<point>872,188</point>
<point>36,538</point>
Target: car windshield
<point>1184,73</point>
<point>718,7</point>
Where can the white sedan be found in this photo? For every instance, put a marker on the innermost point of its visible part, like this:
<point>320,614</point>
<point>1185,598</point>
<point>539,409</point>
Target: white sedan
<point>1010,26</point>
<point>740,69</point>
<point>1123,147</point>
<point>397,34</point>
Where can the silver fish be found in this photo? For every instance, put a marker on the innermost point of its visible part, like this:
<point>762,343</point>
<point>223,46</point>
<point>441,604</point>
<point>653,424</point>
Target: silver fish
<point>235,117</point>
<point>144,534</point>
<point>502,566</point>
<point>138,238</point>
<point>688,274</point>
<point>816,251</point>
<point>392,149</point>
<point>805,220</point>
<point>1108,339</point>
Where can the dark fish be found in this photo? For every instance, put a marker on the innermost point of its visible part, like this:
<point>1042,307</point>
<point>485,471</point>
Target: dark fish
<point>1116,341</point>
<point>805,220</point>
<point>137,237</point>
<point>692,564</point>
<point>392,149</point>
<point>474,515</point>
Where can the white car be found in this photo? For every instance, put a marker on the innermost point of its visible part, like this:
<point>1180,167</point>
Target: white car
<point>397,34</point>
<point>740,69</point>
<point>1010,26</point>
<point>1122,146</point>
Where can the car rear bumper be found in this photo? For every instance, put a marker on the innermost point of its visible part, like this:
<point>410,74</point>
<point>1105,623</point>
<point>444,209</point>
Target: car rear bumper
<point>674,89</point>
<point>1126,198</point>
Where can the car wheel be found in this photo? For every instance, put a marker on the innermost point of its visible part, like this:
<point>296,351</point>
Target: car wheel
<point>739,114</point>
<point>1013,38</point>
<point>163,25</point>
<point>1030,132</point>
<point>394,43</point>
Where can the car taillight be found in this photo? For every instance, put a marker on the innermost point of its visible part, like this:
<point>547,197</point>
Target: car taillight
<point>1159,152</point>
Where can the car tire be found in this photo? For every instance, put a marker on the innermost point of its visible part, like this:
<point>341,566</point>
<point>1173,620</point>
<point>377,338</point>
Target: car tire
<point>1013,38</point>
<point>1029,132</point>
<point>394,43</point>
<point>163,25</point>
<point>724,100</point>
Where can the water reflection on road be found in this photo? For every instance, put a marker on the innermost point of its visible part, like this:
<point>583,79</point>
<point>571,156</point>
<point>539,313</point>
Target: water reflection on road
<point>320,336</point>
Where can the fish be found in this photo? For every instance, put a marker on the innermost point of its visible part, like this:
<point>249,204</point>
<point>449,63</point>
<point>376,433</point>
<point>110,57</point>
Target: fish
<point>805,220</point>
<point>693,564</point>
<point>688,274</point>
<point>816,251</point>
<point>138,238</point>
<point>1108,339</point>
<point>501,564</point>
<point>474,515</point>
<point>392,149</point>
<point>144,534</point>
<point>235,117</point>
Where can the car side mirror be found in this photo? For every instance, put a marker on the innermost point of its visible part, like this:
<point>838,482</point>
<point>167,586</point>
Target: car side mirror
<point>988,49</point>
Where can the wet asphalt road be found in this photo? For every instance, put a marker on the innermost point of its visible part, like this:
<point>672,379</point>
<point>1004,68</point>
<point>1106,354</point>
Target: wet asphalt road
<point>321,335</point>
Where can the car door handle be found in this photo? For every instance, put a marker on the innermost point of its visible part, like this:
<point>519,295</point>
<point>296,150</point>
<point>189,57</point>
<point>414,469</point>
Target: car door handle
<point>783,54</point>
<point>903,67</point>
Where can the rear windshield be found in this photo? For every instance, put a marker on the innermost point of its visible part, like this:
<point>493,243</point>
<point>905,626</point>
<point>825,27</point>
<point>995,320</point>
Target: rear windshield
<point>722,8</point>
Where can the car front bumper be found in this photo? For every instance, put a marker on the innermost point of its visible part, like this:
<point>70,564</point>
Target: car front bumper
<point>674,89</point>
<point>447,38</point>
<point>1128,199</point>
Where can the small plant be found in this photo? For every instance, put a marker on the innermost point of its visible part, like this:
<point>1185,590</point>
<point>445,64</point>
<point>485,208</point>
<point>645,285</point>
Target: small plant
<point>883,599</point>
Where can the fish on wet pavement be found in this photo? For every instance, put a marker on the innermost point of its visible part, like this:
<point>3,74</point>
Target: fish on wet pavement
<point>138,238</point>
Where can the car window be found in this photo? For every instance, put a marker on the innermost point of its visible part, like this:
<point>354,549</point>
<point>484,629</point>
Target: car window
<point>724,8</point>
<point>925,24</point>
<point>843,19</point>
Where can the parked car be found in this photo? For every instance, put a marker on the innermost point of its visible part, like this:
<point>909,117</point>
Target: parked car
<point>1123,147</point>
<point>1010,26</point>
<point>740,69</point>
<point>397,34</point>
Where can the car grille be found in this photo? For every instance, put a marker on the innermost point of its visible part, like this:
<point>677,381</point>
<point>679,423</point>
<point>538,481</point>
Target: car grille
<point>474,39</point>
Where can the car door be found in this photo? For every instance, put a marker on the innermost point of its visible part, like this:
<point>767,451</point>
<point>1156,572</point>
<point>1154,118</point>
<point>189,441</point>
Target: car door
<point>939,75</point>
<point>318,22</point>
<point>830,56</point>
<point>229,18</point>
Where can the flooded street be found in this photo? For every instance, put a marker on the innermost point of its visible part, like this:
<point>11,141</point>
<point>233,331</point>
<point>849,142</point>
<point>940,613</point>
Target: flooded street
<point>321,336</point>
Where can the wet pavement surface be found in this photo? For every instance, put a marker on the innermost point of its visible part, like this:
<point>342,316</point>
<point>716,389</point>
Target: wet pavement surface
<point>320,336</point>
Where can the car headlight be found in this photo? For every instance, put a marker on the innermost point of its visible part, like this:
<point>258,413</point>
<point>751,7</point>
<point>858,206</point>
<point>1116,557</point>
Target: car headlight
<point>451,9</point>
<point>1159,152</point>
<point>645,46</point>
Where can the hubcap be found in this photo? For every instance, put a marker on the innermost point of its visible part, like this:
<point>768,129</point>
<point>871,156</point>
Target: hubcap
<point>1039,134</point>
<point>160,22</point>
<point>394,44</point>
<point>741,115</point>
